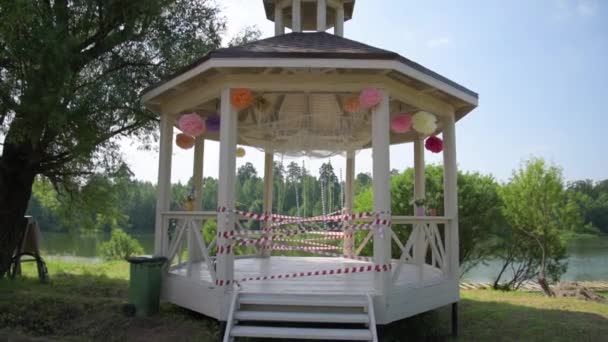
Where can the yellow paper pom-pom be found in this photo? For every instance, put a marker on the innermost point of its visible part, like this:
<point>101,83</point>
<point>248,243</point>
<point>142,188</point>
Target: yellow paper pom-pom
<point>240,152</point>
<point>424,122</point>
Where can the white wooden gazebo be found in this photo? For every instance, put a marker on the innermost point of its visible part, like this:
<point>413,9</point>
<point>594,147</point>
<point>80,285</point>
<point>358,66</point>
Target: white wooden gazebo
<point>313,75</point>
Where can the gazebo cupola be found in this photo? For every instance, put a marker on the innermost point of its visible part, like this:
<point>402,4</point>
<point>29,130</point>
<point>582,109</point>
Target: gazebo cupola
<point>309,15</point>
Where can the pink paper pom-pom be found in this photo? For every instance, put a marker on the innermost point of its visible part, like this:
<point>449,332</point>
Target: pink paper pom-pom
<point>370,97</point>
<point>192,124</point>
<point>402,123</point>
<point>434,144</point>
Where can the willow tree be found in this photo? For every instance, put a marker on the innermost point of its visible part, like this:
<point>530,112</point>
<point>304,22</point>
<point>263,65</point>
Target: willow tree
<point>71,72</point>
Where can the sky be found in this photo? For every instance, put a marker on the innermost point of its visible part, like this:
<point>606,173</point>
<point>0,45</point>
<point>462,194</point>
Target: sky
<point>540,69</point>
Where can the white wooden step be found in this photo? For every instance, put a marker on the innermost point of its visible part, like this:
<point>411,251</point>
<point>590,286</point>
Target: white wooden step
<point>273,316</point>
<point>291,300</point>
<point>302,333</point>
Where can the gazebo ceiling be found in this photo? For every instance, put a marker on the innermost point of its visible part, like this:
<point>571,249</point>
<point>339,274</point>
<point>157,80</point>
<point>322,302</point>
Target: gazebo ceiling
<point>306,78</point>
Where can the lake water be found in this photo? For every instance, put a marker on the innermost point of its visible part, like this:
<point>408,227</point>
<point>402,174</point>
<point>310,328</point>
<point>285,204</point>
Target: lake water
<point>588,258</point>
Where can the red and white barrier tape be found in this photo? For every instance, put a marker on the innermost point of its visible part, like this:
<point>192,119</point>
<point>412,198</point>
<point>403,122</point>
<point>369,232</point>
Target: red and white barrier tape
<point>291,232</point>
<point>336,271</point>
<point>294,219</point>
<point>309,243</point>
<point>304,248</point>
<point>323,253</point>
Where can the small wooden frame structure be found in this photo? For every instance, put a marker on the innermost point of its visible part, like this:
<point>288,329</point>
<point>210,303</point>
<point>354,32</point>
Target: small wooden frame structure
<point>310,72</point>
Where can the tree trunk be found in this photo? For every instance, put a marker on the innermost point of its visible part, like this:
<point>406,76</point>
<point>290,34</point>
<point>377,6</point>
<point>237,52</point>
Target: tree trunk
<point>17,174</point>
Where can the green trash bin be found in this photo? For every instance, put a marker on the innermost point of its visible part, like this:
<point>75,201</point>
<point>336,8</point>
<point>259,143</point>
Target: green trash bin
<point>146,278</point>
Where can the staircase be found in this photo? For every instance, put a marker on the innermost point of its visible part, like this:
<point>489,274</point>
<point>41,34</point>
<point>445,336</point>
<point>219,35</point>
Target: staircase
<point>309,317</point>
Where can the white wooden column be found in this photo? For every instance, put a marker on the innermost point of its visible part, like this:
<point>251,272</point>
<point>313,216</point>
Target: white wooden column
<point>197,172</point>
<point>227,169</point>
<point>382,189</point>
<point>268,188</point>
<point>419,192</point>
<point>339,25</point>
<point>321,15</point>
<point>450,194</point>
<point>349,237</point>
<point>163,196</point>
<point>279,25</point>
<point>296,16</point>
<point>197,181</point>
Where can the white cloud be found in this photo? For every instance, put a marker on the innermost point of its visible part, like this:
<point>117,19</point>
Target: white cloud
<point>586,8</point>
<point>438,42</point>
<point>566,9</point>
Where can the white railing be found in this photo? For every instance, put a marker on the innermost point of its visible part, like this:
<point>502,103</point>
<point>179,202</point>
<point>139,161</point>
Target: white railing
<point>425,245</point>
<point>187,226</point>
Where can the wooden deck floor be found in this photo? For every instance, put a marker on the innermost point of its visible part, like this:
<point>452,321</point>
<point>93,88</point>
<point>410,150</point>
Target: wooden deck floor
<point>357,283</point>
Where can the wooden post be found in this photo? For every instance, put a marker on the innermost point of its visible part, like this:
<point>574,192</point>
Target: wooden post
<point>339,25</point>
<point>279,26</point>
<point>349,237</point>
<point>450,194</point>
<point>382,189</point>
<point>197,172</point>
<point>163,198</point>
<point>321,15</point>
<point>197,179</point>
<point>268,188</point>
<point>419,192</point>
<point>296,16</point>
<point>227,169</point>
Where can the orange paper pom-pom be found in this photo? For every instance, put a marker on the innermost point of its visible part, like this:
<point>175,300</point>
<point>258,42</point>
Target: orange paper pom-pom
<point>241,98</point>
<point>184,141</point>
<point>352,105</point>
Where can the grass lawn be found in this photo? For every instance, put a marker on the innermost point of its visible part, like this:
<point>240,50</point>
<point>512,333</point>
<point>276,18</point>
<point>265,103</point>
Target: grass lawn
<point>84,302</point>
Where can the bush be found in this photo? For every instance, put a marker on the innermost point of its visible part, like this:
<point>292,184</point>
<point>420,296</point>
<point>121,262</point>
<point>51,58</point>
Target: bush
<point>120,246</point>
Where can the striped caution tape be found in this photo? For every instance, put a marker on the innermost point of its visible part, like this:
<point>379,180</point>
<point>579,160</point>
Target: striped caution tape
<point>336,271</point>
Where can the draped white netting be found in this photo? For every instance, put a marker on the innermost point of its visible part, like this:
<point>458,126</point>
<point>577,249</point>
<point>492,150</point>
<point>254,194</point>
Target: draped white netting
<point>296,125</point>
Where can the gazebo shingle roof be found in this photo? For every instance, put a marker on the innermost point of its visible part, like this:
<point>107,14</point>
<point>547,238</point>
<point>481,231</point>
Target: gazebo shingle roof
<point>321,45</point>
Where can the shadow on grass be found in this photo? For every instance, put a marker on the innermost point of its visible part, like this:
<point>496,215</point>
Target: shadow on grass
<point>89,307</point>
<point>500,321</point>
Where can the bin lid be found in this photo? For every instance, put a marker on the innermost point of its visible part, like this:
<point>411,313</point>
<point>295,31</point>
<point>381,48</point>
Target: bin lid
<point>147,259</point>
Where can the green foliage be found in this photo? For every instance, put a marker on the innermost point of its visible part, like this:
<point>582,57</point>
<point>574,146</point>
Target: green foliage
<point>247,35</point>
<point>120,246</point>
<point>478,202</point>
<point>592,200</point>
<point>536,211</point>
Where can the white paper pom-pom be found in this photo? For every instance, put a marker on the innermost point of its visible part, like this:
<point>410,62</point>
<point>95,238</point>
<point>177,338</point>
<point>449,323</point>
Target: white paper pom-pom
<point>424,122</point>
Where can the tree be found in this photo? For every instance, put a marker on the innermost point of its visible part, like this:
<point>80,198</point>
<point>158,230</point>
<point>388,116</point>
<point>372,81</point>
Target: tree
<point>592,200</point>
<point>246,172</point>
<point>478,209</point>
<point>71,74</point>
<point>247,35</point>
<point>536,211</point>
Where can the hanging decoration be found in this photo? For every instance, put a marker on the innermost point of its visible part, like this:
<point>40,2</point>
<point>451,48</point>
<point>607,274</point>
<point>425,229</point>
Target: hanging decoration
<point>370,98</point>
<point>240,152</point>
<point>241,98</point>
<point>424,122</point>
<point>192,124</point>
<point>434,144</point>
<point>213,123</point>
<point>184,141</point>
<point>352,105</point>
<point>401,123</point>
